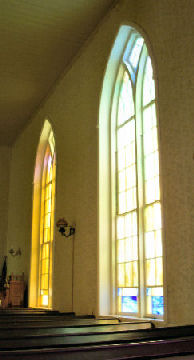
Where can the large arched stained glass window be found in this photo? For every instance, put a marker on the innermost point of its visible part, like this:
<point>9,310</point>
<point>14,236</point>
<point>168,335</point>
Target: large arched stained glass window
<point>139,261</point>
<point>47,224</point>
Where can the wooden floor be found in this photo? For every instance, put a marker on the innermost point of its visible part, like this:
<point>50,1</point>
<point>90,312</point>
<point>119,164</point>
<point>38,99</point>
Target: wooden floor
<point>38,334</point>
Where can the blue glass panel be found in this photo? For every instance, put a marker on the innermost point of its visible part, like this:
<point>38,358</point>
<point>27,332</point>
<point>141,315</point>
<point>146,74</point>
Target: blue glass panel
<point>129,304</point>
<point>120,291</point>
<point>157,305</point>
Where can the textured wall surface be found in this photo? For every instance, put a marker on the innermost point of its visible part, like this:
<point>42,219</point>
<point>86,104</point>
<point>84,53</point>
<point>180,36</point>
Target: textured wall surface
<point>5,154</point>
<point>72,108</point>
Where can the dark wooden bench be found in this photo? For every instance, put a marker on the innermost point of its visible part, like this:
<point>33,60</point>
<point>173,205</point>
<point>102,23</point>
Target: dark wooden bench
<point>150,349</point>
<point>98,338</point>
<point>70,329</point>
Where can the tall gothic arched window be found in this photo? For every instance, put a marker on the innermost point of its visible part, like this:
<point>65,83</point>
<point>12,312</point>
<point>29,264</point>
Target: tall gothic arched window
<point>139,254</point>
<point>131,245</point>
<point>47,223</point>
<point>43,221</point>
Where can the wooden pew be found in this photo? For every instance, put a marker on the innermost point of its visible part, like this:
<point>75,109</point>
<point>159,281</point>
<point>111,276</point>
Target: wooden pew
<point>98,338</point>
<point>70,329</point>
<point>147,349</point>
<point>61,336</point>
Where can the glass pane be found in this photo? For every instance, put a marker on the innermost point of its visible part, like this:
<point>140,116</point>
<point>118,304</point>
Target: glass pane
<point>130,154</point>
<point>45,251</point>
<point>122,202</point>
<point>121,181</point>
<point>46,235</point>
<point>157,216</point>
<point>150,140</point>
<point>159,271</point>
<point>128,274</point>
<point>44,269</point>
<point>154,299</point>
<point>121,160</point>
<point>128,252</point>
<point>148,84</point>
<point>121,250</point>
<point>134,247</point>
<point>135,273</point>
<point>149,118</point>
<point>158,240</point>
<point>149,218</point>
<point>126,104</point>
<point>121,275</point>
<point>150,244</point>
<point>120,227</point>
<point>131,199</point>
<point>129,304</point>
<point>151,165</point>
<point>131,176</point>
<point>150,272</point>
<point>134,57</point>
<point>152,190</point>
<point>44,281</point>
<point>48,191</point>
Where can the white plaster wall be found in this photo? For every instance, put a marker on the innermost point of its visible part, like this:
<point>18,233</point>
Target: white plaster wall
<point>72,108</point>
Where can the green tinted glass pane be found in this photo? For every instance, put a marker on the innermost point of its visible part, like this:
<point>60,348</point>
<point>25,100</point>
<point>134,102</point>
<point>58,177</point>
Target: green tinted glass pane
<point>150,272</point>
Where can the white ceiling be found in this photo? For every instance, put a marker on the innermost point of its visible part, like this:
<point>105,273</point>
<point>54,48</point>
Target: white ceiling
<point>38,39</point>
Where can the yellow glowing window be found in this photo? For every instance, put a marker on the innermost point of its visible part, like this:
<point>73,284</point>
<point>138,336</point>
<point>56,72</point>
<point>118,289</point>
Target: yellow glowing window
<point>46,224</point>
<point>139,254</point>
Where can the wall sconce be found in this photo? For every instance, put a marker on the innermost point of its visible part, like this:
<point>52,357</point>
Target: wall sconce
<point>65,229</point>
<point>14,253</point>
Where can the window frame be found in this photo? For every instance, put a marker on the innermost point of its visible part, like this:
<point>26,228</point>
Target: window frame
<point>138,103</point>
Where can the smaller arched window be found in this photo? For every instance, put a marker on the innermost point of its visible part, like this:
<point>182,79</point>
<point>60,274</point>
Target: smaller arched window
<point>46,223</point>
<point>43,221</point>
